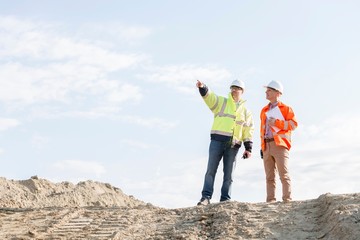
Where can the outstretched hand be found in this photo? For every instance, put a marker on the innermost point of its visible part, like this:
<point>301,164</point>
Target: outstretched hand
<point>199,84</point>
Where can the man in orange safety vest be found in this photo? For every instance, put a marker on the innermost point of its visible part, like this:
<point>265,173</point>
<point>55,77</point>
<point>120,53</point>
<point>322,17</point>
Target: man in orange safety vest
<point>277,122</point>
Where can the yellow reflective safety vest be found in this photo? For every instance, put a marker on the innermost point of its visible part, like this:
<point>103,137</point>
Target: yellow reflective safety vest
<point>231,122</point>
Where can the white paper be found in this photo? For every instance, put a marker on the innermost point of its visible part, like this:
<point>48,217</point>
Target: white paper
<point>275,113</point>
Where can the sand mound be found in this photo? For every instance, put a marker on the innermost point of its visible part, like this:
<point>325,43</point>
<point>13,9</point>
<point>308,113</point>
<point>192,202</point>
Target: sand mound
<point>37,193</point>
<point>39,209</point>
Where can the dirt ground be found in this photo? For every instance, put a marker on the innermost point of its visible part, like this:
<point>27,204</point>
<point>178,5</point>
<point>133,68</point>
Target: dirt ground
<point>39,209</point>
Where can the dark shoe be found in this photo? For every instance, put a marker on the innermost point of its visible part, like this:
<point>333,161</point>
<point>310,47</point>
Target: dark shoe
<point>204,201</point>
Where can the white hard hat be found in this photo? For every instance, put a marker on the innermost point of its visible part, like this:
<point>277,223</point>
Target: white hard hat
<point>276,85</point>
<point>238,83</point>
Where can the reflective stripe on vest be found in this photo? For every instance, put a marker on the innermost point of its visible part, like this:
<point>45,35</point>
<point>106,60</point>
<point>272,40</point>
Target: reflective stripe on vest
<point>216,104</point>
<point>229,120</point>
<point>283,137</point>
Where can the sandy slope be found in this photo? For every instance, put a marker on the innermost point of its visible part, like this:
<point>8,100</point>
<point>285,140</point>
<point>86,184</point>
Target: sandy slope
<point>38,209</point>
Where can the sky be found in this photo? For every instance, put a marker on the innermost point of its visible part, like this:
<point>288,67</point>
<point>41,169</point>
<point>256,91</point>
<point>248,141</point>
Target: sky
<point>105,91</point>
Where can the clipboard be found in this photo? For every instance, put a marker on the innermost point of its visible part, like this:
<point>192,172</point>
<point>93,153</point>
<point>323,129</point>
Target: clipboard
<point>275,113</point>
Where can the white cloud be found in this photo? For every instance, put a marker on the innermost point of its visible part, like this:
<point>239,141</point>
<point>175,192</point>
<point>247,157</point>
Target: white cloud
<point>316,174</point>
<point>124,33</point>
<point>150,122</point>
<point>183,77</point>
<point>6,123</point>
<point>30,85</point>
<point>37,41</point>
<point>80,169</point>
<point>336,132</point>
<point>42,66</point>
<point>124,92</point>
<point>325,157</point>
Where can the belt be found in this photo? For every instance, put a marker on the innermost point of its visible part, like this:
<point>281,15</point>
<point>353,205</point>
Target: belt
<point>269,140</point>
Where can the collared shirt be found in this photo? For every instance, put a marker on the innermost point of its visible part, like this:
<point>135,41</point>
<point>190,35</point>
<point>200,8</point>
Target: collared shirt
<point>237,105</point>
<point>268,132</point>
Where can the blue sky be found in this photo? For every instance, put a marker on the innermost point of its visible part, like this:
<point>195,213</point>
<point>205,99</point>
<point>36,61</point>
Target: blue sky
<point>105,91</point>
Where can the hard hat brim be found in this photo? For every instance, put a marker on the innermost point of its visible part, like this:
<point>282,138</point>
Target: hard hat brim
<point>237,87</point>
<point>273,89</point>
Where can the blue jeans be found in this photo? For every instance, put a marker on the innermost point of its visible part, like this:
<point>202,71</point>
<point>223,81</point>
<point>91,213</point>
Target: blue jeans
<point>217,151</point>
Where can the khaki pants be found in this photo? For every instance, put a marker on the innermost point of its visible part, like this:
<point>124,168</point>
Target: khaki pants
<point>276,157</point>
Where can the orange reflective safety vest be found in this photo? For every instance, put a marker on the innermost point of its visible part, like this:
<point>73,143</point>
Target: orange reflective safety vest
<point>283,136</point>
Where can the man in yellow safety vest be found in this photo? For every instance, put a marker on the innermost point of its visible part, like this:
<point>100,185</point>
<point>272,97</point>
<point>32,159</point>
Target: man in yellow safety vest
<point>232,126</point>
